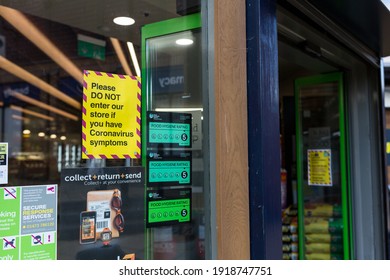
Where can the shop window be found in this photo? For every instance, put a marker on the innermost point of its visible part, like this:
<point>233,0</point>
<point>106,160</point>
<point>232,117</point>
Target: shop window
<point>65,115</point>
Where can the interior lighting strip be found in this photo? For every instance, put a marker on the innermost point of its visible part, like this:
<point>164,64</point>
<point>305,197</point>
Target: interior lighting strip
<point>42,105</point>
<point>32,33</point>
<point>121,56</point>
<point>32,113</point>
<point>34,80</point>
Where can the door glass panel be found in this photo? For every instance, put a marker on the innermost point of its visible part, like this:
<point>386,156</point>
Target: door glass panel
<point>174,85</point>
<point>321,183</point>
<point>175,72</point>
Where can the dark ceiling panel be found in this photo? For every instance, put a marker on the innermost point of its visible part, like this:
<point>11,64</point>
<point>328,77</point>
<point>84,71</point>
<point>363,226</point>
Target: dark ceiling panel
<point>360,17</point>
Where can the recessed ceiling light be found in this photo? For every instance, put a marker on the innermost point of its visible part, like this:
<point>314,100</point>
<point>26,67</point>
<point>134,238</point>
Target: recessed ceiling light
<point>41,134</point>
<point>63,137</point>
<point>26,132</point>
<point>53,136</point>
<point>184,42</point>
<point>125,21</point>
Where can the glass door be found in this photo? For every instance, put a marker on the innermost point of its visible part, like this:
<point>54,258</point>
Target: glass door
<point>172,148</point>
<point>323,216</point>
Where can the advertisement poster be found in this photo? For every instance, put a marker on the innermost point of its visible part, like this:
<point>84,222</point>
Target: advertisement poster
<point>28,223</point>
<point>3,163</point>
<point>101,213</point>
<point>319,167</point>
<point>111,118</point>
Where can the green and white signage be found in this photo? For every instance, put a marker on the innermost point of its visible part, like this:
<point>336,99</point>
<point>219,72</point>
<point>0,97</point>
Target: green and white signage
<point>168,171</point>
<point>28,223</point>
<point>167,129</point>
<point>91,47</point>
<point>168,207</point>
<point>169,168</point>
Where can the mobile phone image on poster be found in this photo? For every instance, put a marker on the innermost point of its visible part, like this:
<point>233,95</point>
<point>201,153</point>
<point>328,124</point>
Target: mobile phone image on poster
<point>87,227</point>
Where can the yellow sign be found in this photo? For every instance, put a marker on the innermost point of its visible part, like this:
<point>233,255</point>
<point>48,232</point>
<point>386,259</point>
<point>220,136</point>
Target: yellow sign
<point>319,167</point>
<point>111,116</point>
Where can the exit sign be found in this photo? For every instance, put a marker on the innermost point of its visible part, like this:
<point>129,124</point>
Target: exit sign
<point>91,47</point>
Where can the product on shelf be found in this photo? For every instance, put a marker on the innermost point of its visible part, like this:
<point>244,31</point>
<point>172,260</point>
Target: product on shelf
<point>322,210</point>
<point>323,231</point>
<point>322,256</point>
<point>290,236</point>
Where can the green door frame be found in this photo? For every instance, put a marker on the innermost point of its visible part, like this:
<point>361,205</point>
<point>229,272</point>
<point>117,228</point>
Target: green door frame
<point>156,30</point>
<point>345,188</point>
<point>149,31</point>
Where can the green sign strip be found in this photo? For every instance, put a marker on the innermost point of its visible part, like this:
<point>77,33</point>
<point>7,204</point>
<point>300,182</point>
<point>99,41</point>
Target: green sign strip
<point>28,223</point>
<point>9,211</point>
<point>169,210</point>
<point>9,223</point>
<point>91,47</point>
<point>169,171</point>
<point>176,133</point>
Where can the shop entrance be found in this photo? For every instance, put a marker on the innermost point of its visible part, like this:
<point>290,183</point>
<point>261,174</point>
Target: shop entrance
<point>321,168</point>
<point>313,152</point>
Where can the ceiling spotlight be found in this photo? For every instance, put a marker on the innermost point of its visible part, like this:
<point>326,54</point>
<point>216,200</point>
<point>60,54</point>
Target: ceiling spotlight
<point>26,132</point>
<point>184,42</point>
<point>124,21</point>
<point>41,134</point>
<point>53,136</point>
<point>63,137</point>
